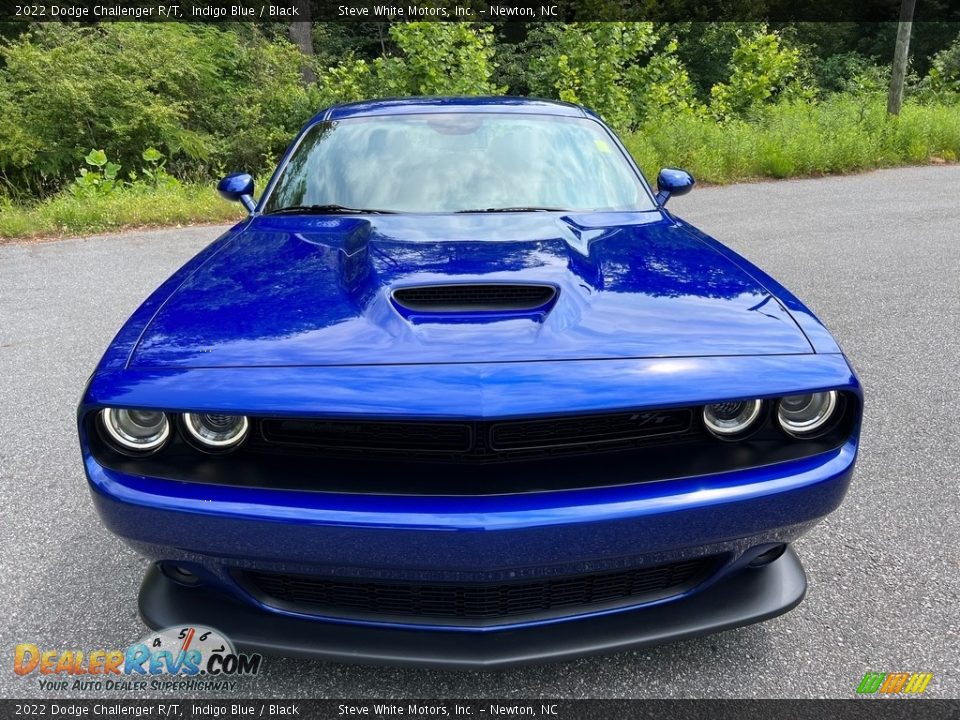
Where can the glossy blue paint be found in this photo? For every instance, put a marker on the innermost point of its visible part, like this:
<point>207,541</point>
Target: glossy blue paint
<point>238,187</point>
<point>290,316</point>
<point>479,104</point>
<point>444,538</point>
<point>672,182</point>
<point>574,508</point>
<point>464,390</point>
<point>294,290</point>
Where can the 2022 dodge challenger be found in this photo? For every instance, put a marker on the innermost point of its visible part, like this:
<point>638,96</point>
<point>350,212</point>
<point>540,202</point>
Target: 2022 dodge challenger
<point>460,391</point>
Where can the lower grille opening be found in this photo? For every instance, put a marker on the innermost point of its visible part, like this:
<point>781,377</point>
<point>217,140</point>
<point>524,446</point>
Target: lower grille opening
<point>475,603</point>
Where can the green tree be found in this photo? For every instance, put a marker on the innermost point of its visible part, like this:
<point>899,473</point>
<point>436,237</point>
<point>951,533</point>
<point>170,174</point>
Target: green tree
<point>663,86</point>
<point>614,69</point>
<point>945,69</point>
<point>593,64</point>
<point>762,71</point>
<point>435,59</point>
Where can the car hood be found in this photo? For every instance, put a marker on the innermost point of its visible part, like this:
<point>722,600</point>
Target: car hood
<point>316,291</point>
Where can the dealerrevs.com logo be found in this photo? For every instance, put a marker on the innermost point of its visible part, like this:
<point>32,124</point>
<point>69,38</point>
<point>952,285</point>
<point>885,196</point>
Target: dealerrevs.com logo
<point>175,658</point>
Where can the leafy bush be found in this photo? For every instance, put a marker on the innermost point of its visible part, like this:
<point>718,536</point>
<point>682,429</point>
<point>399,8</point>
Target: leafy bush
<point>732,100</point>
<point>762,71</point>
<point>706,48</point>
<point>440,59</point>
<point>204,96</point>
<point>155,171</point>
<point>945,69</point>
<point>663,86</point>
<point>436,59</point>
<point>613,69</point>
<point>593,64</point>
<point>850,72</point>
<point>101,178</point>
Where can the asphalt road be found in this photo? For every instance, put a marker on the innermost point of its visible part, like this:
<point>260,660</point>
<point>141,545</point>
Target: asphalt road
<point>877,256</point>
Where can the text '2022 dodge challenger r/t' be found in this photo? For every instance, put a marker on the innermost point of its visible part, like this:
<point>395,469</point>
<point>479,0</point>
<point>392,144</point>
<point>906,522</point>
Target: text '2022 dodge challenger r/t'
<point>461,392</point>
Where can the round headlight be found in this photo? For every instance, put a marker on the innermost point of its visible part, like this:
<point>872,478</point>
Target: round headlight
<point>735,417</point>
<point>137,430</point>
<point>216,431</point>
<point>804,415</point>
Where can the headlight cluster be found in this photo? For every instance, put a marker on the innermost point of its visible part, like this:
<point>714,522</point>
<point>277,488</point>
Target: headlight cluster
<point>800,416</point>
<point>216,430</point>
<point>806,415</point>
<point>145,431</point>
<point>729,419</point>
<point>138,430</point>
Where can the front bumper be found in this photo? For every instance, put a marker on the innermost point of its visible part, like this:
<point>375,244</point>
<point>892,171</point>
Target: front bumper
<point>216,532</point>
<point>747,596</point>
<point>470,538</point>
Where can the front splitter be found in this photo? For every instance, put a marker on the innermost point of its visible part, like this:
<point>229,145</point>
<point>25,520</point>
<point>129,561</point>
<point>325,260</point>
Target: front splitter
<point>749,596</point>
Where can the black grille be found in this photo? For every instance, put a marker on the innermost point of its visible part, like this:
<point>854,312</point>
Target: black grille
<point>586,429</point>
<point>477,441</point>
<point>476,602</point>
<point>464,297</point>
<point>385,436</point>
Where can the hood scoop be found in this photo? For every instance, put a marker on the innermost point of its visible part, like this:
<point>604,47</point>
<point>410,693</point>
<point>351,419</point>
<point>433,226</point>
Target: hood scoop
<point>431,303</point>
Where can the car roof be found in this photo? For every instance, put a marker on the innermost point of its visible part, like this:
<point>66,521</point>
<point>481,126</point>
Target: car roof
<point>419,105</point>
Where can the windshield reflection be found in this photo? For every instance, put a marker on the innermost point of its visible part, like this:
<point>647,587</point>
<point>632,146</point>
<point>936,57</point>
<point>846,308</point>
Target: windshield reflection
<point>459,162</point>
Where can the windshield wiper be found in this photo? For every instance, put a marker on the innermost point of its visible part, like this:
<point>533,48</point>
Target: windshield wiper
<point>331,209</point>
<point>513,209</point>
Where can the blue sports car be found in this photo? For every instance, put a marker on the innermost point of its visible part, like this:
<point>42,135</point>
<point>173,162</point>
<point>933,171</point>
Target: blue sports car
<point>461,392</point>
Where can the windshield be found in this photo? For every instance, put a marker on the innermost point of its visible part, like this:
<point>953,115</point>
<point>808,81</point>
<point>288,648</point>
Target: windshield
<point>458,162</point>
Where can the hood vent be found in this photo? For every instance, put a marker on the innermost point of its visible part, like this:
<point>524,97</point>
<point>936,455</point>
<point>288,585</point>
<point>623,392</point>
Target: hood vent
<point>467,298</point>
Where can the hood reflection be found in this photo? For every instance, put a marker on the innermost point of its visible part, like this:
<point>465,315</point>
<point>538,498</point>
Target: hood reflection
<point>314,291</point>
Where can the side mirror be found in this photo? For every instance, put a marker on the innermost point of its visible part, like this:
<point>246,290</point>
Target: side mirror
<point>238,187</point>
<point>671,181</point>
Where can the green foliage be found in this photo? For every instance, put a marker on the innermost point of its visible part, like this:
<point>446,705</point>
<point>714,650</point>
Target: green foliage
<point>334,41</point>
<point>732,100</point>
<point>441,59</point>
<point>511,69</point>
<point>762,71</point>
<point>592,64</point>
<point>945,69</point>
<point>850,72</point>
<point>663,86</point>
<point>155,171</point>
<point>613,69</point>
<point>436,59</point>
<point>101,177</point>
<point>202,95</point>
<point>65,214</point>
<point>705,48</point>
<point>789,140</point>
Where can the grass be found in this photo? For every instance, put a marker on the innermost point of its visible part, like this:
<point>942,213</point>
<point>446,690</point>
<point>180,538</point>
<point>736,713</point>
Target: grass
<point>65,214</point>
<point>838,135</point>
